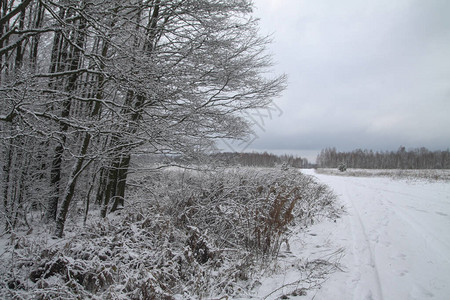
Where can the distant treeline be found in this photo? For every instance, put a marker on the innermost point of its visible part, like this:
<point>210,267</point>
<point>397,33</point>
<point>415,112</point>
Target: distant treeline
<point>419,158</point>
<point>261,159</point>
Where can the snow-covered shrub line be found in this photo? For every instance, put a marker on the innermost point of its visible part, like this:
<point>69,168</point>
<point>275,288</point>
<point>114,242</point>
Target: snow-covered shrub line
<point>182,235</point>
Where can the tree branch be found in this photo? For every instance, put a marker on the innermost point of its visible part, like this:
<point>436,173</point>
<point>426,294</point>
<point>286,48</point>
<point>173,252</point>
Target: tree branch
<point>14,12</point>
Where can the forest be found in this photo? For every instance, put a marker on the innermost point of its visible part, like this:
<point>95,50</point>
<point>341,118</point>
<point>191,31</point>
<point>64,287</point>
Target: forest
<point>84,84</point>
<point>419,158</point>
<point>261,159</point>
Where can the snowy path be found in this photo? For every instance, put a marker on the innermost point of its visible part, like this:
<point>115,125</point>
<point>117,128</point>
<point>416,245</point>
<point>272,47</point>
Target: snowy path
<point>397,239</point>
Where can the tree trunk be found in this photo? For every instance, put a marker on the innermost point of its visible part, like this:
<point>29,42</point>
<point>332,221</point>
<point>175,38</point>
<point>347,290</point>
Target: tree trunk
<point>19,51</point>
<point>110,190</point>
<point>70,189</point>
<point>6,183</point>
<point>117,173</point>
<point>71,87</point>
<point>38,18</point>
<point>55,179</point>
<point>119,197</point>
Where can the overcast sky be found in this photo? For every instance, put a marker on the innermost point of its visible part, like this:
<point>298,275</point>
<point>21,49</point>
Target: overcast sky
<point>362,74</point>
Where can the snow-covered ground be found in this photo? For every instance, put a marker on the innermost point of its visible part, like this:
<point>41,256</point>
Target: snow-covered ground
<point>428,174</point>
<point>396,236</point>
<point>395,242</point>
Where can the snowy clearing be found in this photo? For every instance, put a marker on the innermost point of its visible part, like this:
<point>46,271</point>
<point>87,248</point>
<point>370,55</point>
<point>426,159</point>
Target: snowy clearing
<point>395,235</point>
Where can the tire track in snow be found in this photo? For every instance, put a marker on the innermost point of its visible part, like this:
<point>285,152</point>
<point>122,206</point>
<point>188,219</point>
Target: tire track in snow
<point>430,237</point>
<point>357,226</point>
<point>405,225</point>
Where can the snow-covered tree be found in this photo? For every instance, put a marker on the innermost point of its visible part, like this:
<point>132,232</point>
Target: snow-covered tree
<point>85,83</point>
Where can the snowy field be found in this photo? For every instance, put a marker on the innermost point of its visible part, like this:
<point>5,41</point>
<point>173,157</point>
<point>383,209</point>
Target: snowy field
<point>428,174</point>
<point>395,239</point>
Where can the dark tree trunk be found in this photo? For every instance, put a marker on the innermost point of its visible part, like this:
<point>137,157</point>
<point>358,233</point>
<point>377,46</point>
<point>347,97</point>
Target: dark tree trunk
<point>19,50</point>
<point>75,61</point>
<point>70,189</point>
<point>55,179</point>
<point>38,19</point>
<point>110,190</point>
<point>6,183</point>
<point>119,197</point>
<point>118,172</point>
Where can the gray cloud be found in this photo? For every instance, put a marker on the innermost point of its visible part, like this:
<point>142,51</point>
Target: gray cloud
<point>362,74</point>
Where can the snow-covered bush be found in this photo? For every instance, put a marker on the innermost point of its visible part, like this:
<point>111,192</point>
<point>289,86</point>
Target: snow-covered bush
<point>183,234</point>
<point>342,167</point>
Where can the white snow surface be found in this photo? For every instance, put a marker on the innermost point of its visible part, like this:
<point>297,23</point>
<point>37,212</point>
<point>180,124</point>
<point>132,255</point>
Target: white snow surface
<point>395,238</point>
